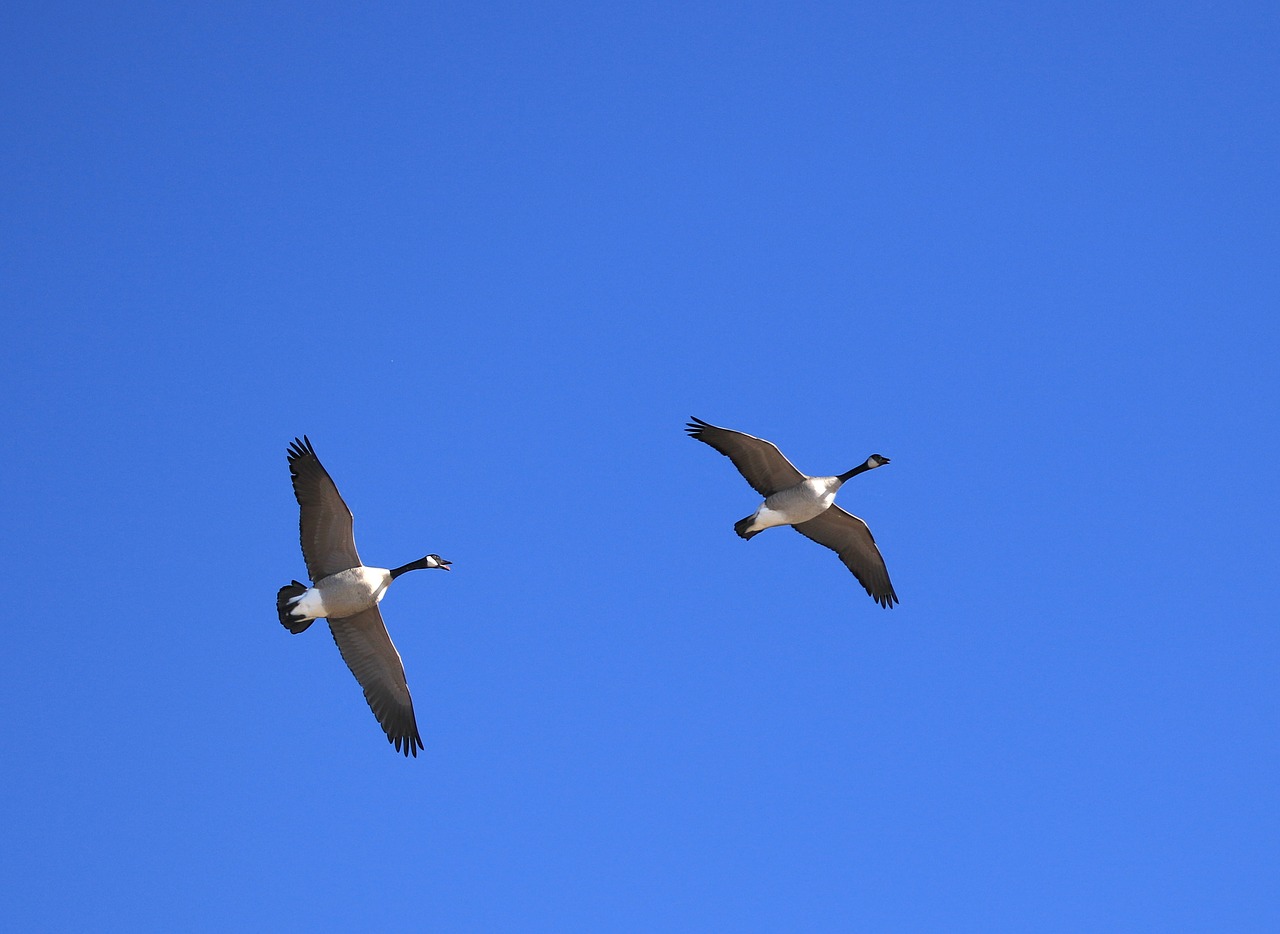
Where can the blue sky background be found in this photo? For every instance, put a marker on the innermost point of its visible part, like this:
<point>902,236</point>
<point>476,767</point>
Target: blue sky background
<point>490,257</point>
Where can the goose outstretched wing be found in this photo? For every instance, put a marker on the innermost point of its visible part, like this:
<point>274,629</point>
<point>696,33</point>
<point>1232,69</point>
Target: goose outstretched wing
<point>760,461</point>
<point>849,537</point>
<point>328,543</point>
<point>366,648</point>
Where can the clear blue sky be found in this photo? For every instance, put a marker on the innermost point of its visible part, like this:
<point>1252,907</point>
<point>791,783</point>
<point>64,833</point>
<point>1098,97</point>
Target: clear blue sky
<point>490,257</point>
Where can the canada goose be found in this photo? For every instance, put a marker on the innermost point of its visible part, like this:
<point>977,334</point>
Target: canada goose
<point>802,502</point>
<point>347,593</point>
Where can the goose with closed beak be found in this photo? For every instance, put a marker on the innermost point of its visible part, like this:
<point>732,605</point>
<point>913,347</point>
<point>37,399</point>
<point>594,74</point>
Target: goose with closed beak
<point>805,503</point>
<point>347,593</point>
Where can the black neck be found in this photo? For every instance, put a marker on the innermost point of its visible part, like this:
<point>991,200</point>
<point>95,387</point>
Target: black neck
<point>419,565</point>
<point>852,473</point>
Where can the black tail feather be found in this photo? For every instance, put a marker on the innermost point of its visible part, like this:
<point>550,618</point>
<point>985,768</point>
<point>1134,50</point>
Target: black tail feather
<point>741,527</point>
<point>283,606</point>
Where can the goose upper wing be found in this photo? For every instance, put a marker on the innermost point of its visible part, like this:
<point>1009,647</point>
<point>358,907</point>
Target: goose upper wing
<point>760,461</point>
<point>849,537</point>
<point>366,648</point>
<point>328,545</point>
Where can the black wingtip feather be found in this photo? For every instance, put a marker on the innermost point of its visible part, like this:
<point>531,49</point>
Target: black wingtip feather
<point>886,600</point>
<point>299,448</point>
<point>408,745</point>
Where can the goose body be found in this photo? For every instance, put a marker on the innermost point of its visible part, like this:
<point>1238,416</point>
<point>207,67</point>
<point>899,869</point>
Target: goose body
<point>803,502</point>
<point>342,594</point>
<point>346,592</point>
<point>800,503</point>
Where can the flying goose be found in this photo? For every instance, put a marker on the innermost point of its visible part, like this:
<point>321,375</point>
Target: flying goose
<point>802,502</point>
<point>347,593</point>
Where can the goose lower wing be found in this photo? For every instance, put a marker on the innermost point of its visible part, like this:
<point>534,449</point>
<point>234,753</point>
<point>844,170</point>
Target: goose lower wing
<point>849,537</point>
<point>760,461</point>
<point>366,648</point>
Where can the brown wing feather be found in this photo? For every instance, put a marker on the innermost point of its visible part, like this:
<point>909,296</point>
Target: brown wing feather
<point>760,461</point>
<point>328,543</point>
<point>366,648</point>
<point>849,537</point>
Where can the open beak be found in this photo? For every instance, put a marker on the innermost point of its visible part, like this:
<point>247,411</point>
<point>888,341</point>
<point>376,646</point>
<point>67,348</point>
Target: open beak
<point>445,564</point>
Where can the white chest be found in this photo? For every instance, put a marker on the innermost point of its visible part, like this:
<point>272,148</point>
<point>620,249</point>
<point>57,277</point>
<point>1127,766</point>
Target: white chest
<point>823,492</point>
<point>374,581</point>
